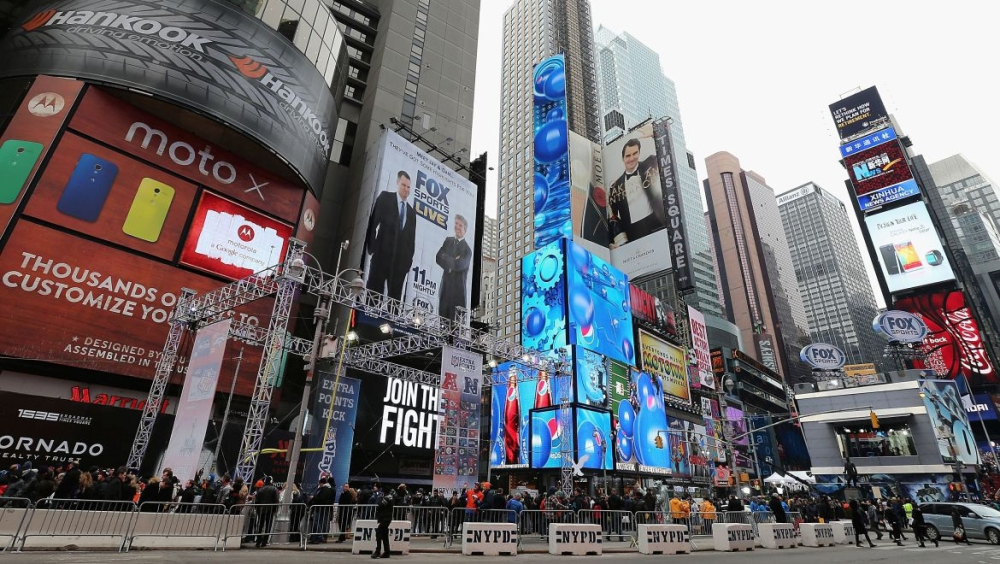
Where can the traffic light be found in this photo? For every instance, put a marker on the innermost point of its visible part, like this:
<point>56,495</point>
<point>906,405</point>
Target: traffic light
<point>874,420</point>
<point>658,441</point>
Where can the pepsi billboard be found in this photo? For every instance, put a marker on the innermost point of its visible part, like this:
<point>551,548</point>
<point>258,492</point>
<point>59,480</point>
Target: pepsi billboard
<point>553,219</point>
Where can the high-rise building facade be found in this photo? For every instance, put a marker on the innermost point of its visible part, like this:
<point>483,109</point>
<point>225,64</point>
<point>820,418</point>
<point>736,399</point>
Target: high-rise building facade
<point>533,30</point>
<point>755,266</point>
<point>832,281</point>
<point>488,285</point>
<point>631,83</point>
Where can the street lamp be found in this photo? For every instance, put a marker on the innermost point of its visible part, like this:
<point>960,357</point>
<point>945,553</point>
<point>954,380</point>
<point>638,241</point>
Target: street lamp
<point>322,317</point>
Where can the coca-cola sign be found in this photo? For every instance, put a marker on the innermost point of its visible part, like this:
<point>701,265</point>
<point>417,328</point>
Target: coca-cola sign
<point>954,345</point>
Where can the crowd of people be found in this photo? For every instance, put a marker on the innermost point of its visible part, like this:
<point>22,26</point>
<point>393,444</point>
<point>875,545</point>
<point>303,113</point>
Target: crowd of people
<point>438,512</point>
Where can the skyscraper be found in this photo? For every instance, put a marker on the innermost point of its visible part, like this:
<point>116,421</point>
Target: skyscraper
<point>533,30</point>
<point>755,266</point>
<point>835,289</point>
<point>488,285</point>
<point>631,82</point>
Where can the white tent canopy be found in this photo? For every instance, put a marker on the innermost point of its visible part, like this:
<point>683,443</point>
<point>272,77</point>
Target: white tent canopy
<point>775,479</point>
<point>803,476</point>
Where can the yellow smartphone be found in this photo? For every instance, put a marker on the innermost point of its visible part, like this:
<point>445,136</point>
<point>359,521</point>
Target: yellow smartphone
<point>149,210</point>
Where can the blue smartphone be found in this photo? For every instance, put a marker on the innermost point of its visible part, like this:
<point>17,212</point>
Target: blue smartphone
<point>88,188</point>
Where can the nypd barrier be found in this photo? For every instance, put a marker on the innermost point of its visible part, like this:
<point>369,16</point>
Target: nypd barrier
<point>575,539</point>
<point>843,532</point>
<point>729,537</point>
<point>817,534</point>
<point>489,539</point>
<point>664,539</point>
<point>364,537</point>
<point>777,535</point>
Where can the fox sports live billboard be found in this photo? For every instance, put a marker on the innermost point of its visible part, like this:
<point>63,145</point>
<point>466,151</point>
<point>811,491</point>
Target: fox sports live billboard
<point>419,239</point>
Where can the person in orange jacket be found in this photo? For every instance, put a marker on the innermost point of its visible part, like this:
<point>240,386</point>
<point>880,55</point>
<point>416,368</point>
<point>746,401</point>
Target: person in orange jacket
<point>708,515</point>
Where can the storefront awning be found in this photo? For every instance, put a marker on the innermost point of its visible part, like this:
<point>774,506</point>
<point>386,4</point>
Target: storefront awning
<point>864,415</point>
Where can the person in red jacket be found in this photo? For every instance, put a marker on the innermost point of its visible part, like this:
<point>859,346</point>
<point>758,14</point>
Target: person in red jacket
<point>473,498</point>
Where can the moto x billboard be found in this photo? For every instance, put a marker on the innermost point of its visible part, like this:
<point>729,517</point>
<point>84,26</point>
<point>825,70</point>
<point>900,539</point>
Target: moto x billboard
<point>201,54</point>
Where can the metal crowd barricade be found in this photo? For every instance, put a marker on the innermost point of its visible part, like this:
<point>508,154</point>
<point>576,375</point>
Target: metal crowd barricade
<point>425,521</point>
<point>179,520</point>
<point>13,514</point>
<point>262,522</point>
<point>651,517</point>
<point>618,523</point>
<point>80,519</point>
<point>535,522</point>
<point>734,517</point>
<point>324,521</point>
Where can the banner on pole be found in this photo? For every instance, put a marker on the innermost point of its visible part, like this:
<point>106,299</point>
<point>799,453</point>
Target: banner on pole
<point>456,462</point>
<point>334,410</point>
<point>195,407</point>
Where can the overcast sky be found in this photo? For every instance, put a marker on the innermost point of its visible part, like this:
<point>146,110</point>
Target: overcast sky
<point>756,78</point>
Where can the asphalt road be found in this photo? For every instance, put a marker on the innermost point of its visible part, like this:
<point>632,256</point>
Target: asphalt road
<point>978,553</point>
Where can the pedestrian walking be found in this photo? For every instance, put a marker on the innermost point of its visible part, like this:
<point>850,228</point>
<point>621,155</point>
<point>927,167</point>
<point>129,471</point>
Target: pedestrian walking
<point>858,520</point>
<point>920,527</point>
<point>959,534</point>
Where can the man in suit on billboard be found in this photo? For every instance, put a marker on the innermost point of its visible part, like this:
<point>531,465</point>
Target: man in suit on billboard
<point>392,230</point>
<point>636,202</point>
<point>455,257</point>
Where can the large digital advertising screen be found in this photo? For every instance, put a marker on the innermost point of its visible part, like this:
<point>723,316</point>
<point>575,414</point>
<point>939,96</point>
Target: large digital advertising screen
<point>652,311</point>
<point>109,120</point>
<point>48,431</point>
<point>420,240</point>
<point>231,240</point>
<point>516,390</point>
<point>83,304</point>
<point>547,436</point>
<point>954,346</point>
<point>636,219</point>
<point>461,400</point>
<point>600,314</point>
<point>858,112</point>
<point>640,416</point>
<point>589,197</point>
<point>955,439</point>
<point>668,363</point>
<point>881,176</point>
<point>909,250</point>
<point>207,56</point>
<point>29,136</point>
<point>553,217</point>
<point>673,205</point>
<point>593,439</point>
<point>699,340</point>
<point>543,298</point>
<point>105,194</point>
<point>398,415</point>
<point>591,377</point>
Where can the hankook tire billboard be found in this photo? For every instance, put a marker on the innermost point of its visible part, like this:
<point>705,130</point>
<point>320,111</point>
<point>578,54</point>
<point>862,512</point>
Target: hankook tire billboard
<point>201,54</point>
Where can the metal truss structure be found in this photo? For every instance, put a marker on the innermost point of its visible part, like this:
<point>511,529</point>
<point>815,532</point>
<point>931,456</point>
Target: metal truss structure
<point>283,281</point>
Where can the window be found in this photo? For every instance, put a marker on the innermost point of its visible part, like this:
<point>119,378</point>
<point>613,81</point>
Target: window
<point>860,441</point>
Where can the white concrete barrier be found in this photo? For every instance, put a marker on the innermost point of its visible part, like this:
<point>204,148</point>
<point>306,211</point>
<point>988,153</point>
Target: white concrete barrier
<point>728,537</point>
<point>817,534</point>
<point>489,539</point>
<point>843,532</point>
<point>664,539</point>
<point>575,539</point>
<point>364,537</point>
<point>777,535</point>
